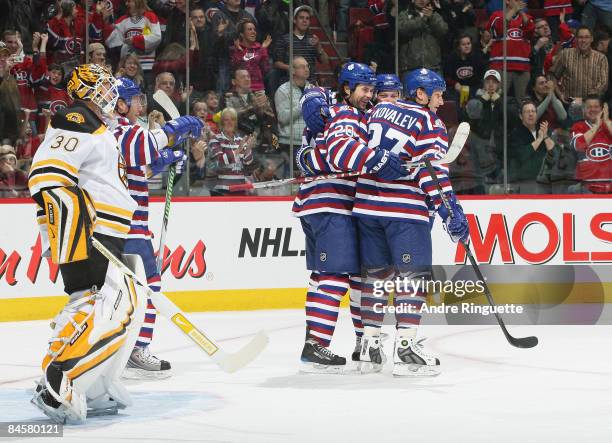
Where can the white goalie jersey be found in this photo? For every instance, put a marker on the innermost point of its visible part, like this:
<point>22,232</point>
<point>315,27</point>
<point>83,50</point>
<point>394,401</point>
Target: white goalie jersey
<point>79,150</point>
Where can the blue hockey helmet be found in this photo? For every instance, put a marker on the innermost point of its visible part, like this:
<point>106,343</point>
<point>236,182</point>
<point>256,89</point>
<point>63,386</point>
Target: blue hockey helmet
<point>426,79</point>
<point>127,89</point>
<point>357,74</point>
<point>388,82</point>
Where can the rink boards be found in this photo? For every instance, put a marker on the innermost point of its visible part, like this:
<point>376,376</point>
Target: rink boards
<point>248,253</point>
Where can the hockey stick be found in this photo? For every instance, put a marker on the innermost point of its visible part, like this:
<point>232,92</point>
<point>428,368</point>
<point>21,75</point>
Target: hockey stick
<point>461,135</point>
<point>229,362</point>
<point>525,342</point>
<point>164,101</point>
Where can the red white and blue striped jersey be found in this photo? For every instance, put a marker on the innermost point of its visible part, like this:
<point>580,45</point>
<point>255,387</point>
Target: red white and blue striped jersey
<point>139,147</point>
<point>343,147</point>
<point>413,132</point>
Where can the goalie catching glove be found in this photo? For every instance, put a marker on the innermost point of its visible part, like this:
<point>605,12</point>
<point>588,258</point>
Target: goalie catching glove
<point>71,218</point>
<point>455,222</point>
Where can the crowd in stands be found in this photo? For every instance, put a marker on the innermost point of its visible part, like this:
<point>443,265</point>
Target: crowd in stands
<point>228,61</point>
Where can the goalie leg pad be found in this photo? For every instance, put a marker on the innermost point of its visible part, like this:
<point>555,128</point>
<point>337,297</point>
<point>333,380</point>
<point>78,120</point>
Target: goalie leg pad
<point>88,337</point>
<point>71,217</point>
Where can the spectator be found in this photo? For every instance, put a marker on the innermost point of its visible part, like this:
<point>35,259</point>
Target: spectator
<point>199,146</point>
<point>485,43</point>
<point>13,182</point>
<point>137,32</point>
<point>251,55</point>
<point>66,36</point>
<point>225,22</point>
<point>26,146</point>
<point>167,83</point>
<point>212,102</point>
<point>519,30</point>
<point>464,69</point>
<point>592,138</point>
<point>421,30</point>
<point>52,95</point>
<point>549,107</point>
<point>255,114</point>
<point>558,171</point>
<point>343,16</point>
<point>129,67</point>
<point>552,10</point>
<point>97,53</point>
<point>490,125</point>
<point>527,148</point>
<point>460,17</point>
<point>290,121</point>
<point>273,20</point>
<point>174,59</point>
<point>174,14</point>
<point>17,15</point>
<point>204,73</point>
<point>9,98</point>
<point>305,45</point>
<point>543,44</point>
<point>232,152</point>
<point>28,71</point>
<point>597,11</point>
<point>580,71</point>
<point>382,49</point>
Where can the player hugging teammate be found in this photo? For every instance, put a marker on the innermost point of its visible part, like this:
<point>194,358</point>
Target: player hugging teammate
<point>392,207</point>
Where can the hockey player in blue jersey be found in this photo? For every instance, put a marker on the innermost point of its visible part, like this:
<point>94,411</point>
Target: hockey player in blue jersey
<point>388,88</point>
<point>146,153</point>
<point>394,221</point>
<point>324,208</point>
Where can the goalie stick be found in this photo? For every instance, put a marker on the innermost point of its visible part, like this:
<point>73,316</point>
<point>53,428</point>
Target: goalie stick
<point>461,135</point>
<point>229,362</point>
<point>164,101</point>
<point>524,342</point>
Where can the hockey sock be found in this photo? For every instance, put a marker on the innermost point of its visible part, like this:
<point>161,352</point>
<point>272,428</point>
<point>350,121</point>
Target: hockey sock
<point>322,304</point>
<point>410,295</point>
<point>374,297</point>
<point>355,302</point>
<point>146,331</point>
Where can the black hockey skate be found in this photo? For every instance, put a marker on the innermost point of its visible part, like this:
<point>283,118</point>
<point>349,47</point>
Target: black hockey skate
<point>144,365</point>
<point>318,359</point>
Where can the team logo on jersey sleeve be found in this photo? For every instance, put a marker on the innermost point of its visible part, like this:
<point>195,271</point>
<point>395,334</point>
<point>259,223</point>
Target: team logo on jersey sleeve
<point>71,116</point>
<point>122,169</point>
<point>439,124</point>
<point>598,152</point>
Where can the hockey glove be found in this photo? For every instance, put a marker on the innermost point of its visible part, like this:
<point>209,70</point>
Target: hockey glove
<point>303,159</point>
<point>315,109</point>
<point>386,165</point>
<point>182,127</point>
<point>457,225</point>
<point>167,156</point>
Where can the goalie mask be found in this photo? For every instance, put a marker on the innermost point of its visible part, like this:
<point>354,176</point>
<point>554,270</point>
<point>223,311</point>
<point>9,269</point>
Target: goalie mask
<point>94,83</point>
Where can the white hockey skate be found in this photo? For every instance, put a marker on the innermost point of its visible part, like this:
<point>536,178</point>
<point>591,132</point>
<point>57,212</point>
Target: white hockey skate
<point>372,357</point>
<point>409,357</point>
<point>144,365</point>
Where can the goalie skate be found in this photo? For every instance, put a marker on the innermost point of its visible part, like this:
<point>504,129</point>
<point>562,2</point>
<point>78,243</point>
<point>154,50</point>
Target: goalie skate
<point>410,358</point>
<point>318,359</point>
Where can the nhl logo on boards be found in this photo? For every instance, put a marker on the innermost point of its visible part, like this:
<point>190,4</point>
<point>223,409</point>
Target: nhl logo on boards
<point>323,256</point>
<point>406,258</point>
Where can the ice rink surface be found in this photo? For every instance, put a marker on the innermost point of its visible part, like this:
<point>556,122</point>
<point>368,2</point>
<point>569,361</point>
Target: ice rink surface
<point>560,391</point>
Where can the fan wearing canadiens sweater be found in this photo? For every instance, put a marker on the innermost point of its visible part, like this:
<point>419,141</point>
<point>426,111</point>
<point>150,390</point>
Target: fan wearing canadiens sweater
<point>325,206</point>
<point>137,32</point>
